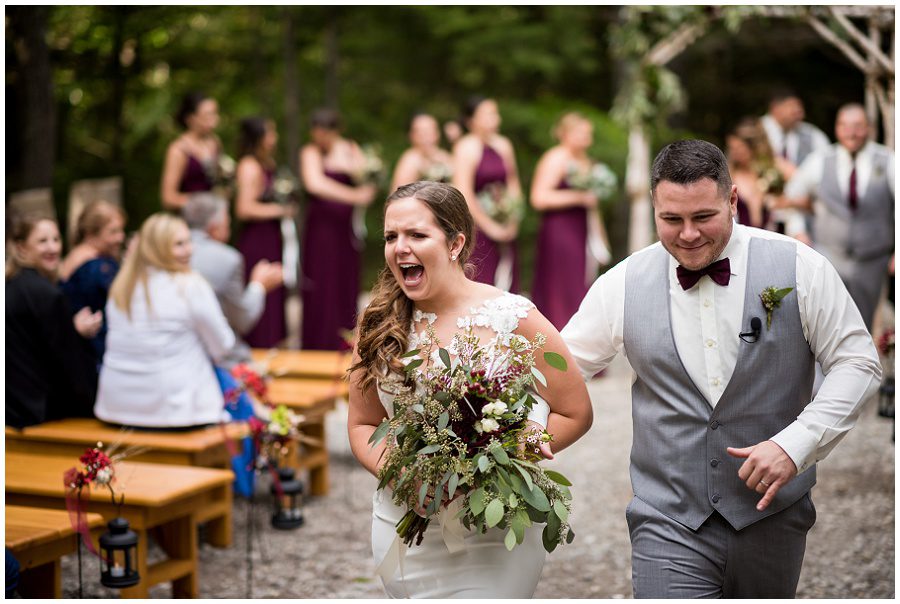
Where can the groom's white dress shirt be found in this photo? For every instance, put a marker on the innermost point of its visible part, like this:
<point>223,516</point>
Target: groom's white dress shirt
<point>706,321</point>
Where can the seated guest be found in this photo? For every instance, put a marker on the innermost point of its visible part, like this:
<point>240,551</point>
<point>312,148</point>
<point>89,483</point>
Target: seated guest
<point>90,267</point>
<point>164,325</point>
<point>50,368</point>
<point>223,266</point>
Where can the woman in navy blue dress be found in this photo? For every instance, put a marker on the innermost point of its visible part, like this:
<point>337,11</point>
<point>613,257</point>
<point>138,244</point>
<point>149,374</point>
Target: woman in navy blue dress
<point>90,267</point>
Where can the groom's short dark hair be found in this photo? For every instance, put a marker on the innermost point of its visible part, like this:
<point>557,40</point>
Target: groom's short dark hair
<point>687,161</point>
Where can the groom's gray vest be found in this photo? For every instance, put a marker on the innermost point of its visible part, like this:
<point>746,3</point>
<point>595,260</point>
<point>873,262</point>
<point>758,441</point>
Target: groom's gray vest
<point>679,464</point>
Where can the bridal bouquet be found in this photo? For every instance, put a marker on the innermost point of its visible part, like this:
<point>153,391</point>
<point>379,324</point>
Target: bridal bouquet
<point>500,205</point>
<point>459,431</point>
<point>599,180</point>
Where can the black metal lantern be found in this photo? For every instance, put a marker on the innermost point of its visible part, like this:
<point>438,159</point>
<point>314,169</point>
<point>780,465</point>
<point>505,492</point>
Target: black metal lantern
<point>886,397</point>
<point>288,501</point>
<point>118,555</point>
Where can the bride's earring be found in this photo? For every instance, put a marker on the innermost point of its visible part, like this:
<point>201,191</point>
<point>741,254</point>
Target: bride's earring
<point>452,257</point>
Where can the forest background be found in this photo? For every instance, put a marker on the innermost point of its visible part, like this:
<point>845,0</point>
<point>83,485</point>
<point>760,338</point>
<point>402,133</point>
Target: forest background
<point>91,91</point>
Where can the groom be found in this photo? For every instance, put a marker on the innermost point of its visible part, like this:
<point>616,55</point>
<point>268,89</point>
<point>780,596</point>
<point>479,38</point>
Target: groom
<point>726,436</point>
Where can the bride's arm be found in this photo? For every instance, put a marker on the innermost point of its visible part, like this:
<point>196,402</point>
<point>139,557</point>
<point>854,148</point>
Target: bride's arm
<point>364,416</point>
<point>571,413</point>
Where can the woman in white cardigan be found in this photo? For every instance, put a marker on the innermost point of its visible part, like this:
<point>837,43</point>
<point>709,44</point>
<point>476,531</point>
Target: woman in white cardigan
<point>166,329</point>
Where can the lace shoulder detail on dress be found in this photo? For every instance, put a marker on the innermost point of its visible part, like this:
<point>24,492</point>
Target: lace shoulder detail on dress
<point>500,314</point>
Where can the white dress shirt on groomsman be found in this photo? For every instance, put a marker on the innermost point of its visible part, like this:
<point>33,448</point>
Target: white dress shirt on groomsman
<point>792,140</point>
<point>726,432</point>
<point>851,185</point>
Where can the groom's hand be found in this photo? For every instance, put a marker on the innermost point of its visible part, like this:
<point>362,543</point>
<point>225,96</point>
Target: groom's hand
<point>766,470</point>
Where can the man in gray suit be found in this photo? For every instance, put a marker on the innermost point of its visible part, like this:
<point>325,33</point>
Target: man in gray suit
<point>722,325</point>
<point>223,266</point>
<point>852,186</point>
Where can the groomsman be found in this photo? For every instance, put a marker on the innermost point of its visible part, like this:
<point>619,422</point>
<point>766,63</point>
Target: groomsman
<point>852,186</point>
<point>726,432</point>
<point>792,140</point>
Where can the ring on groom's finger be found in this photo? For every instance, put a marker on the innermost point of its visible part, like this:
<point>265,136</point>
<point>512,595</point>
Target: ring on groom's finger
<point>763,483</point>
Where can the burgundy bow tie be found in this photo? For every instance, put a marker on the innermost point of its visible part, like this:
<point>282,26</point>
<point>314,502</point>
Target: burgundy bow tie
<point>719,271</point>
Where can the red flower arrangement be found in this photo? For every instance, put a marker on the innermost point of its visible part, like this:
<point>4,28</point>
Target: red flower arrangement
<point>886,342</point>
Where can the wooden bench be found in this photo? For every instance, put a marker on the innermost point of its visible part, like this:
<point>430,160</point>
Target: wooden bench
<point>38,538</point>
<point>202,448</point>
<point>170,500</point>
<point>316,364</point>
<point>312,398</point>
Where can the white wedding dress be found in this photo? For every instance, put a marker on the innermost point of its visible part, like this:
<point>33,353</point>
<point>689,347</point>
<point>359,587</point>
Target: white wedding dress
<point>452,562</point>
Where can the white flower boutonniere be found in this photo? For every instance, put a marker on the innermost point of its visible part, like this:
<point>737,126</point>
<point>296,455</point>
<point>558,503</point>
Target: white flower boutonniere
<point>771,298</point>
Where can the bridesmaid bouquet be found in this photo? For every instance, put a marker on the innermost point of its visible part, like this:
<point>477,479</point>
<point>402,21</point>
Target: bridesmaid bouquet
<point>371,169</point>
<point>437,171</point>
<point>459,432</point>
<point>599,180</point>
<point>500,205</point>
<point>770,179</point>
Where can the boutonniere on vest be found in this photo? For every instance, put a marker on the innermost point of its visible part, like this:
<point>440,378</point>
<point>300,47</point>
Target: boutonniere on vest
<point>771,299</point>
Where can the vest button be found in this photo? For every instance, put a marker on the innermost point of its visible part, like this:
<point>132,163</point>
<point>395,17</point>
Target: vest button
<point>714,462</point>
<point>715,424</point>
<point>715,498</point>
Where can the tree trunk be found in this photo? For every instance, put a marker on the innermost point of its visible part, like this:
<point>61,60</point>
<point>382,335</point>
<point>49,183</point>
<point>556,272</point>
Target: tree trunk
<point>332,62</point>
<point>291,91</point>
<point>637,186</point>
<point>117,100</point>
<point>28,24</point>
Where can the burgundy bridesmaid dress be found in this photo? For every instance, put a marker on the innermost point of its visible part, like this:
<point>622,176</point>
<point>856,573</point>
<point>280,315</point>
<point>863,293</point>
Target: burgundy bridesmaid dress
<point>486,255</point>
<point>195,178</point>
<point>331,271</point>
<point>261,240</point>
<point>560,282</point>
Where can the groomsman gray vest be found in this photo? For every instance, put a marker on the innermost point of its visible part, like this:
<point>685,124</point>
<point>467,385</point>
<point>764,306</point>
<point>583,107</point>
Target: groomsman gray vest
<point>866,233</point>
<point>804,141</point>
<point>679,464</point>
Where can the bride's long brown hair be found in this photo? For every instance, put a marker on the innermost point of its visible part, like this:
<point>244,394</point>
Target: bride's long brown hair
<point>383,328</point>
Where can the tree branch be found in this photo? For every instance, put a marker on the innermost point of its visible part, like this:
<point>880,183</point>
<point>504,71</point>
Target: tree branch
<point>830,36</point>
<point>674,44</point>
<point>863,41</point>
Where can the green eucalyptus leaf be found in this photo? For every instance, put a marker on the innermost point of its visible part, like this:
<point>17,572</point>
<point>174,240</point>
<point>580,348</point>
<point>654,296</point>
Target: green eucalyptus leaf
<point>510,540</point>
<point>443,420</point>
<point>452,484</point>
<point>476,501</point>
<point>536,499</point>
<point>557,478</point>
<point>411,353</point>
<point>423,491</point>
<point>413,365</point>
<point>549,539</point>
<point>379,433</point>
<point>483,463</point>
<point>428,449</point>
<point>556,360</point>
<point>561,511</point>
<point>539,376</point>
<point>493,513</point>
<point>500,455</point>
<point>525,475</point>
<point>445,357</point>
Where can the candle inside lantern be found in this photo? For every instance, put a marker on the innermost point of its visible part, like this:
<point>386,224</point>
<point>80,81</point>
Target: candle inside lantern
<point>117,571</point>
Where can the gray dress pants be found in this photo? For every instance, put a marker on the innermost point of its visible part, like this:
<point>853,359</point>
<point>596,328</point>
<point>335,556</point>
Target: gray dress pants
<point>762,560</point>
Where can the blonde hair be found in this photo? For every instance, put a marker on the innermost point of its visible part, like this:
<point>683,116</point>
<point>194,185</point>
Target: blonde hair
<point>19,229</point>
<point>94,217</point>
<point>383,328</point>
<point>153,248</point>
<point>750,130</point>
<point>567,122</point>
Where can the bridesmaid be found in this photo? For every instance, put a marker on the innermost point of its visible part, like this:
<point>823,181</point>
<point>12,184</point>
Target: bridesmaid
<point>563,270</point>
<point>484,161</point>
<point>331,248</point>
<point>424,160</point>
<point>192,158</point>
<point>260,217</point>
<point>749,153</point>
<point>90,267</point>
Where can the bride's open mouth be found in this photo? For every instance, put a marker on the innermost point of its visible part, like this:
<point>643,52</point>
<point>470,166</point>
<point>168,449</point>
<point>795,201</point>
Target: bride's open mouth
<point>412,274</point>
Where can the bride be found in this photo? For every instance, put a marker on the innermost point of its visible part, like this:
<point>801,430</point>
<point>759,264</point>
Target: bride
<point>428,234</point>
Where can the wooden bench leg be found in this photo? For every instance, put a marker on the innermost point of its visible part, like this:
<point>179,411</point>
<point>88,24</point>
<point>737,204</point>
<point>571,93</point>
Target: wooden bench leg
<point>219,529</point>
<point>318,475</point>
<point>44,581</point>
<point>178,539</point>
<point>142,589</point>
